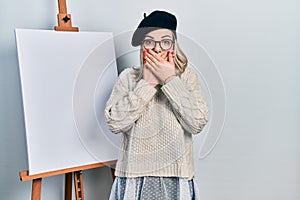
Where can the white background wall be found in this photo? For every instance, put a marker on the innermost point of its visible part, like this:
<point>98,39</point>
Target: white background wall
<point>255,45</point>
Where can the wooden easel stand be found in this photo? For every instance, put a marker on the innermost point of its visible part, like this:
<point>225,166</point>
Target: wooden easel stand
<point>64,19</point>
<point>69,173</point>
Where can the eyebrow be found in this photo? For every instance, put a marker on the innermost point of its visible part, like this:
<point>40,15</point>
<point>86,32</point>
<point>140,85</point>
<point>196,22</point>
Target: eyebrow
<point>148,36</point>
<point>161,37</point>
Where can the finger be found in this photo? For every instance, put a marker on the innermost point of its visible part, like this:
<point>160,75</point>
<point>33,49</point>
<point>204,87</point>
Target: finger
<point>151,69</point>
<point>162,57</point>
<point>153,59</point>
<point>144,53</point>
<point>151,64</point>
<point>165,55</point>
<point>144,56</point>
<point>155,55</point>
<point>171,57</point>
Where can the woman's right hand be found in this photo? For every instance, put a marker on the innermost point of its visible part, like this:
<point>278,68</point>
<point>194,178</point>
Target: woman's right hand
<point>147,73</point>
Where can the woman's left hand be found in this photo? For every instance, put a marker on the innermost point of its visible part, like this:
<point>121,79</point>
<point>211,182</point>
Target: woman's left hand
<point>163,69</point>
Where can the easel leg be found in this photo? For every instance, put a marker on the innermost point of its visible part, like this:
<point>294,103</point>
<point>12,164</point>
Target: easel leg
<point>68,186</point>
<point>36,189</point>
<point>78,185</point>
<point>113,173</point>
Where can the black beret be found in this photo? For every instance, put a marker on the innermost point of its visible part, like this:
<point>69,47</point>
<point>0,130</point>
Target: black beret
<point>156,20</point>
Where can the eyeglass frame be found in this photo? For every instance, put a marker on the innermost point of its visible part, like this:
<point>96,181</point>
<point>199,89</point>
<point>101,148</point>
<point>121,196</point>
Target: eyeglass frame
<point>159,42</point>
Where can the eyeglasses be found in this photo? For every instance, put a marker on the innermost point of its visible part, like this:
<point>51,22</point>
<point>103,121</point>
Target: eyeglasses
<point>165,44</point>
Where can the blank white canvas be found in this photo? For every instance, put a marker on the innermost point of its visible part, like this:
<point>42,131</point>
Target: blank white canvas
<point>66,79</point>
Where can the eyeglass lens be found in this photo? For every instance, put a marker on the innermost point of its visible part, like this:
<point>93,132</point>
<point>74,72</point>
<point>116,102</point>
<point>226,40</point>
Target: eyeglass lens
<point>165,44</point>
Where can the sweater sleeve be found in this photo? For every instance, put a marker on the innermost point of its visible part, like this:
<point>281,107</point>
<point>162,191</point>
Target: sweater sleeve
<point>127,102</point>
<point>185,96</point>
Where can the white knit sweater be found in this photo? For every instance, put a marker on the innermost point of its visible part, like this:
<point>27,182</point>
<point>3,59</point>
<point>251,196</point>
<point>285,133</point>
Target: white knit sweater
<point>156,124</point>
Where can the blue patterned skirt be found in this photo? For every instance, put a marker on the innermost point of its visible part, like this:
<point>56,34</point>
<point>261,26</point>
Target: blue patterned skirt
<point>154,188</point>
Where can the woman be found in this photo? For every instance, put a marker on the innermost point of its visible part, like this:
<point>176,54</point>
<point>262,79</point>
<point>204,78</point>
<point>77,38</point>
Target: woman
<point>157,108</point>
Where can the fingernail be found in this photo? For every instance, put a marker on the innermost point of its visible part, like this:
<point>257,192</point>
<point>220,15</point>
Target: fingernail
<point>145,61</point>
<point>172,52</point>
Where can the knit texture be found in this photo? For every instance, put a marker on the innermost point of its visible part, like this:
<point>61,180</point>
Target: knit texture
<point>156,124</point>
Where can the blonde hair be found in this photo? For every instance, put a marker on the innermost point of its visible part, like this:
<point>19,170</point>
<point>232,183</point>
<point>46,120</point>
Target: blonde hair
<point>180,61</point>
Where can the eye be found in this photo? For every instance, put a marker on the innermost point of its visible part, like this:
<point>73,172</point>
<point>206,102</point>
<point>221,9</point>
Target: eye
<point>166,42</point>
<point>148,42</point>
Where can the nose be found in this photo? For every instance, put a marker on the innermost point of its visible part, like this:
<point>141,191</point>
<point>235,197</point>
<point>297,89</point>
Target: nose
<point>157,48</point>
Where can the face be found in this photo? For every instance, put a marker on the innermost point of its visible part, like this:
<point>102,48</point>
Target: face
<point>152,39</point>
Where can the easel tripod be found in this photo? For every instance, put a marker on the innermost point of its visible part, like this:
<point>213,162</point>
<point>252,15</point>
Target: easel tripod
<point>77,171</point>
